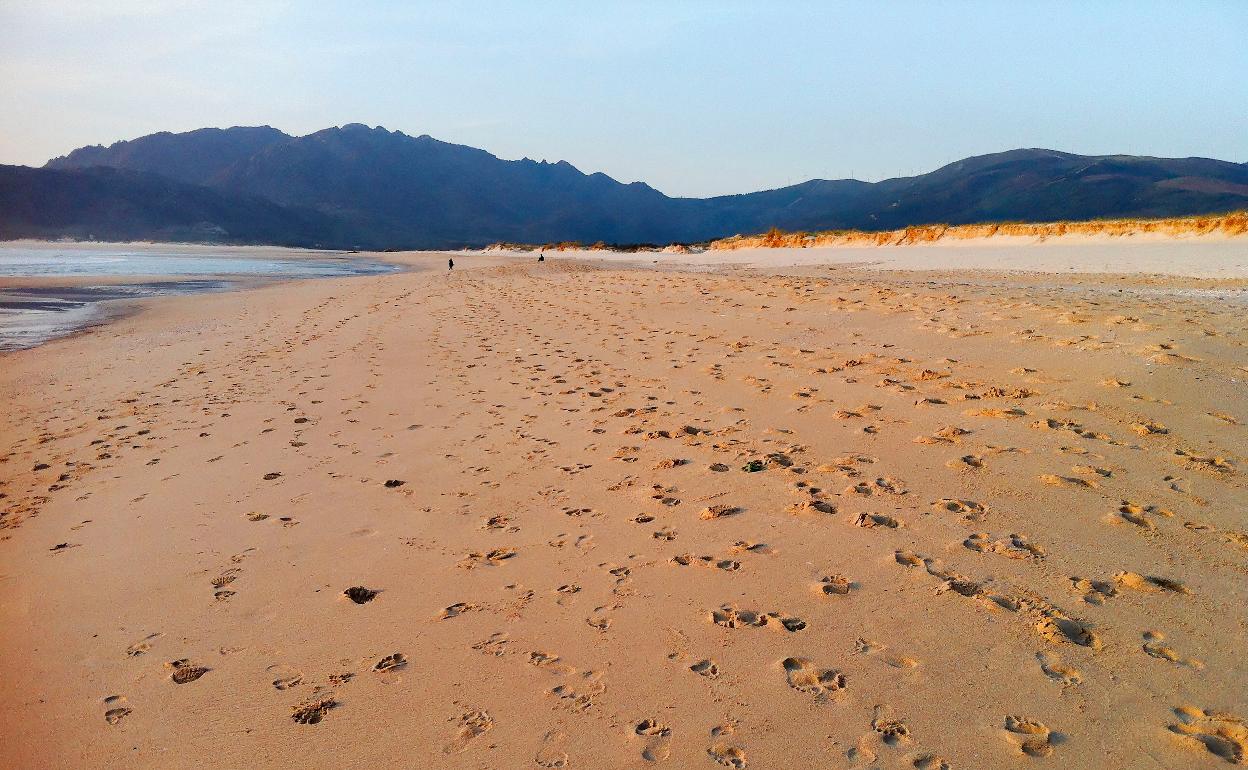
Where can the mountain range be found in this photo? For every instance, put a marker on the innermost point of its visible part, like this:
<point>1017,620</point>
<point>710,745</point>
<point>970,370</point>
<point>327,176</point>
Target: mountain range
<point>359,187</point>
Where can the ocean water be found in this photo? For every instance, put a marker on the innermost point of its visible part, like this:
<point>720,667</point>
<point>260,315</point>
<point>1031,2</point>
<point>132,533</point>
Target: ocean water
<point>33,312</point>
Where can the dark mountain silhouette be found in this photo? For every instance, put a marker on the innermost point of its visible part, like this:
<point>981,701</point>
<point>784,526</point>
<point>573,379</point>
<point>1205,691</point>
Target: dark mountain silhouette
<point>1019,185</point>
<point>114,204</point>
<point>195,157</point>
<point>372,188</point>
<point>408,190</point>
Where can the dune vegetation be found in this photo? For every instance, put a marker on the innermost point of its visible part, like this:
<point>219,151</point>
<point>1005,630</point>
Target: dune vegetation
<point>1230,224</point>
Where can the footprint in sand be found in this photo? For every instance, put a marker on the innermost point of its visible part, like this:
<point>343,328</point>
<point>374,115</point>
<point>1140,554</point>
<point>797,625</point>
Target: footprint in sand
<point>495,644</point>
<point>901,661</point>
<point>706,668</point>
<point>538,658</point>
<point>1094,591</point>
<point>491,558</point>
<point>874,520</point>
<point>931,762</point>
<point>552,753</point>
<point>578,694</point>
<point>360,594</point>
<point>1012,546</point>
<point>116,709</point>
<point>861,754</point>
<point>228,576</point>
<point>806,507</point>
<point>455,610</point>
<point>1056,480</point>
<point>599,622</point>
<point>313,711</point>
<point>1221,734</point>
<point>893,732</point>
<point>971,511</point>
<point>501,521</point>
<point>1133,514</point>
<point>392,662</point>
<point>1053,667</point>
<point>966,461</point>
<point>143,645</point>
<point>1151,583</point>
<point>803,676</point>
<point>834,585</point>
<point>471,724</point>
<point>867,646</point>
<point>1030,736</point>
<point>1058,628</point>
<point>184,671</point>
<point>908,558</point>
<point>286,677</point>
<point>729,616</point>
<point>728,756</point>
<point>717,512</point>
<point>1154,647</point>
<point>659,743</point>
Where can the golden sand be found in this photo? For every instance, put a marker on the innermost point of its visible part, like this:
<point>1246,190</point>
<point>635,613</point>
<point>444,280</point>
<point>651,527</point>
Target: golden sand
<point>1226,225</point>
<point>596,516</point>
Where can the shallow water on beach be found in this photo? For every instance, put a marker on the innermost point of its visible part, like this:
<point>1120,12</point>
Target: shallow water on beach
<point>32,315</point>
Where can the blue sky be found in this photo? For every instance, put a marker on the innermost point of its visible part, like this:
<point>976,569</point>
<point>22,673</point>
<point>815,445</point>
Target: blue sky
<point>695,98</point>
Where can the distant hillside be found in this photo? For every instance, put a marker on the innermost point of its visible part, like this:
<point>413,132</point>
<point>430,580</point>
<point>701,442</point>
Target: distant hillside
<point>195,157</point>
<point>112,204</point>
<point>362,186</point>
<point>1014,186</point>
<point>421,191</point>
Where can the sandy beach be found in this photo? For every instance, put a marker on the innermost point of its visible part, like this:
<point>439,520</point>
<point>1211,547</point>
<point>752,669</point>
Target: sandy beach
<point>1211,257</point>
<point>608,513</point>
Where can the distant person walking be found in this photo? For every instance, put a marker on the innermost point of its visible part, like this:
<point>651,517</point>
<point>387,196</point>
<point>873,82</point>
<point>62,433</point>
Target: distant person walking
<point>450,264</point>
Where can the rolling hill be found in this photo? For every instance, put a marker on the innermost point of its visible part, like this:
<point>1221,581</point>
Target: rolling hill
<point>356,186</point>
<point>100,203</point>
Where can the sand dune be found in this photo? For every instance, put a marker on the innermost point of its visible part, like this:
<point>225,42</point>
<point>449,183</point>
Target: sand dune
<point>598,515</point>
<point>1233,224</point>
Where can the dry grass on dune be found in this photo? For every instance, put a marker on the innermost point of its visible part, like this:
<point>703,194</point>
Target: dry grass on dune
<point>1231,224</point>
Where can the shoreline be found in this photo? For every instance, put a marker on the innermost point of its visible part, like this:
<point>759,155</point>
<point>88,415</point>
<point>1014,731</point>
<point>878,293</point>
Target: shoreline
<point>254,251</point>
<point>38,308</point>
<point>1188,278</point>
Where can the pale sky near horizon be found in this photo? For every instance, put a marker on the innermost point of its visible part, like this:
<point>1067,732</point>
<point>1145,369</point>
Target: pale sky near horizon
<point>694,98</point>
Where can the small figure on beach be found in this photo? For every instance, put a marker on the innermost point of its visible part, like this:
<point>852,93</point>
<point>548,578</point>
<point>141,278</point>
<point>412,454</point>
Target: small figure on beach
<point>450,264</point>
<point>541,257</point>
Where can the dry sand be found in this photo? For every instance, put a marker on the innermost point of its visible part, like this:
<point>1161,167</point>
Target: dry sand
<point>617,516</point>
<point>1210,256</point>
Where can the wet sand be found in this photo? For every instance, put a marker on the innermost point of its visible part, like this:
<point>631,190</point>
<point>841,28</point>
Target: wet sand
<point>585,514</point>
<point>52,289</point>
